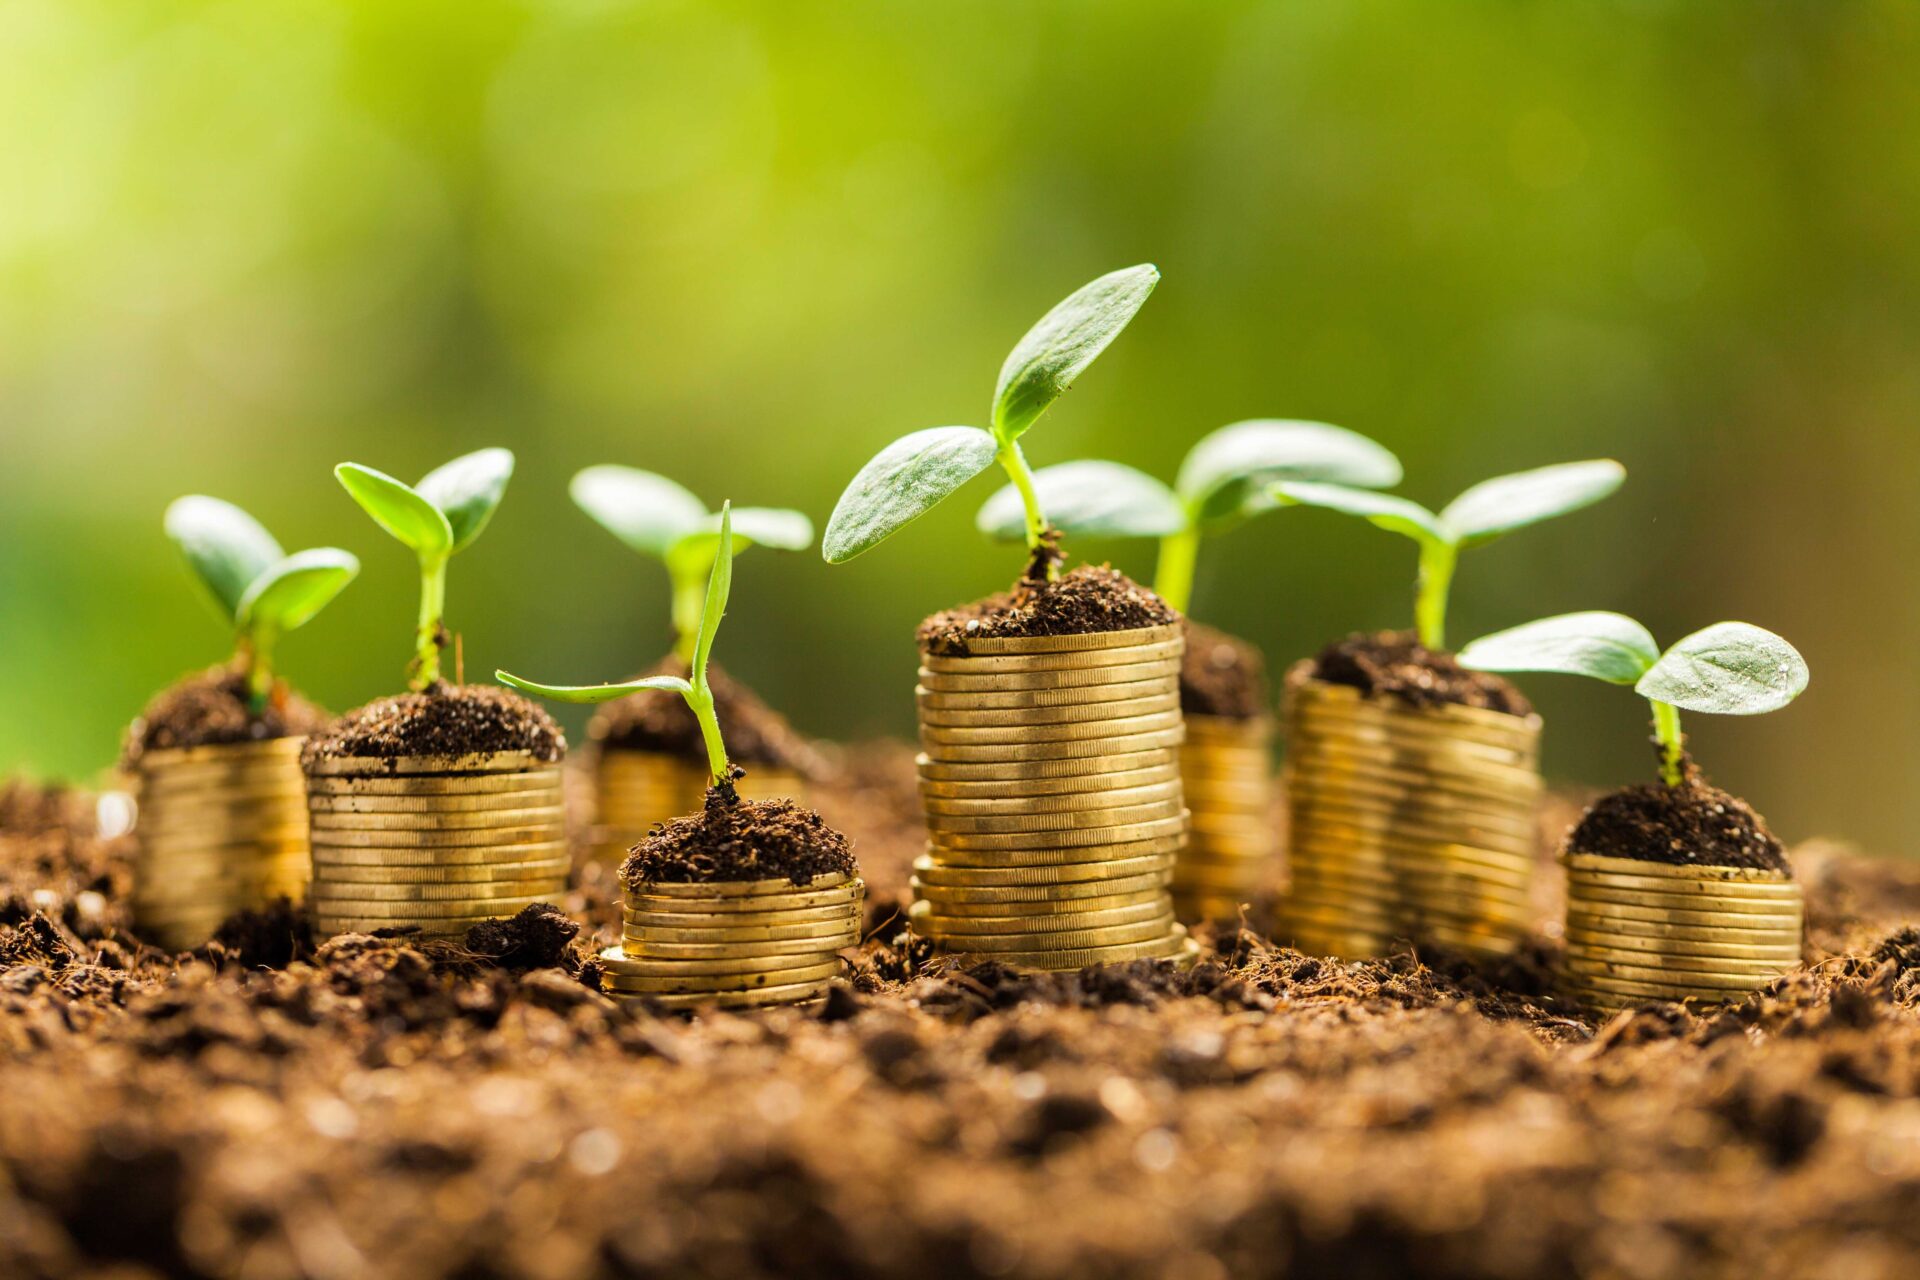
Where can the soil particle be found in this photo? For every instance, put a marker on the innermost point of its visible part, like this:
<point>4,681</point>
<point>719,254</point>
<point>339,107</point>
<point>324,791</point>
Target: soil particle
<point>735,839</point>
<point>1397,664</point>
<point>267,938</point>
<point>1086,600</point>
<point>1693,824</point>
<point>755,733</point>
<point>211,709</point>
<point>446,720</point>
<point>539,937</point>
<point>1222,676</point>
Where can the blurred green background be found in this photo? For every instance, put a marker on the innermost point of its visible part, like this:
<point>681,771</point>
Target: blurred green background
<point>747,244</point>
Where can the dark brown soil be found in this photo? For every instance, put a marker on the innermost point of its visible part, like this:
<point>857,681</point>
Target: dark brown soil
<point>447,720</point>
<point>1085,600</point>
<point>1396,664</point>
<point>210,709</point>
<point>756,734</point>
<point>735,839</point>
<point>1688,825</point>
<point>1222,676</point>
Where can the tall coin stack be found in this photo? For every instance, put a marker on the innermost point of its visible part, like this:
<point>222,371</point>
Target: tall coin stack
<point>435,842</point>
<point>635,790</point>
<point>734,944</point>
<point>1050,778</point>
<point>220,829</point>
<point>1655,931</point>
<point>1226,772</point>
<point>1407,822</point>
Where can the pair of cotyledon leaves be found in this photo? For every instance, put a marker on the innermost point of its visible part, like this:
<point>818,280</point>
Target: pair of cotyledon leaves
<point>659,518</point>
<point>1730,668</point>
<point>917,471</point>
<point>1480,514</point>
<point>256,586</point>
<point>444,512</point>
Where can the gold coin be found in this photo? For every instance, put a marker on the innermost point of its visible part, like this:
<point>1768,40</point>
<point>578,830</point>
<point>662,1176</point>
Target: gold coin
<point>932,872</point>
<point>1059,908</point>
<point>326,893</point>
<point>1018,733</point>
<point>1785,919</point>
<point>616,960</point>
<point>1084,837</point>
<point>1029,859</point>
<point>219,755</point>
<point>259,785</point>
<point>743,888</point>
<point>1424,804</point>
<point>508,802</point>
<point>843,915</point>
<point>1026,663</point>
<point>1078,698</point>
<point>458,838</point>
<point>1674,992</point>
<point>1081,802</point>
<point>942,924</point>
<point>1412,740</point>
<point>1409,821</point>
<point>1593,862</point>
<point>1620,964</point>
<point>1228,736</point>
<point>468,856</point>
<point>1173,945</point>
<point>1079,642</point>
<point>432,908</point>
<point>1623,946</point>
<point>398,766</point>
<point>954,896</point>
<point>642,929</point>
<point>1508,788</point>
<point>1391,854</point>
<point>1148,930</point>
<point>1319,695</point>
<point>1461,894</point>
<point>946,826</point>
<point>1395,865</point>
<point>649,949</point>
<point>1054,790</point>
<point>440,819</point>
<point>1684,901</point>
<point>476,873</point>
<point>1007,681</point>
<point>1030,752</point>
<point>1413,842</point>
<point>681,984</point>
<point>1043,770</point>
<point>1676,888</point>
<point>1048,717</point>
<point>426,786</point>
<point>766,997</point>
<point>843,898</point>
<point>1622,933</point>
<point>367,920</point>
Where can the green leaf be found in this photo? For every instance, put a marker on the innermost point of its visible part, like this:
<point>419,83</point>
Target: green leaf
<point>468,491</point>
<point>1092,499</point>
<point>648,512</point>
<point>1729,669</point>
<point>1068,339</point>
<point>1382,510</point>
<point>1226,475</point>
<point>291,592</point>
<point>1605,646</point>
<point>226,548</point>
<point>396,508</point>
<point>902,482</point>
<point>593,692</point>
<point>1505,503</point>
<point>719,588</point>
<point>775,527</point>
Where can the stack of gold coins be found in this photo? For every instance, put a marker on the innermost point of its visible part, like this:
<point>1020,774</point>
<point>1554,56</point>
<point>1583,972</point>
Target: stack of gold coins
<point>1226,771</point>
<point>220,829</point>
<point>1640,931</point>
<point>1050,779</point>
<point>636,790</point>
<point>437,843</point>
<point>1407,822</point>
<point>734,943</point>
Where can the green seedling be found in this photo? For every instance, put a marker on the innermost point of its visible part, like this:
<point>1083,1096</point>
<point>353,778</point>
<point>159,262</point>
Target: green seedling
<point>1225,479</point>
<point>696,690</point>
<point>258,589</point>
<point>437,518</point>
<point>1728,669</point>
<point>916,472</point>
<point>1481,514</point>
<point>658,518</point>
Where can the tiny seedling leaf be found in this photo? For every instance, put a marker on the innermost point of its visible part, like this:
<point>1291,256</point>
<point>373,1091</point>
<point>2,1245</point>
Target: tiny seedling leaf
<point>291,592</point>
<point>594,692</point>
<point>901,483</point>
<point>719,588</point>
<point>226,547</point>
<point>691,556</point>
<point>1506,503</point>
<point>1068,338</point>
<point>396,508</point>
<point>1092,499</point>
<point>1226,475</point>
<point>1604,646</point>
<point>648,512</point>
<point>1383,510</point>
<point>468,491</point>
<point>1729,669</point>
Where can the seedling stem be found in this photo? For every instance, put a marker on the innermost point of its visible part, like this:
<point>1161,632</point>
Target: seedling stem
<point>1014,460</point>
<point>1173,574</point>
<point>1673,743</point>
<point>1437,561</point>
<point>433,612</point>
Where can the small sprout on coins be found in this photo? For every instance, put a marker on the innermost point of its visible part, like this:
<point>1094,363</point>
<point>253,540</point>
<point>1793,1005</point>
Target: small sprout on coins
<point>1481,514</point>
<point>258,589</point>
<point>438,517</point>
<point>1728,669</point>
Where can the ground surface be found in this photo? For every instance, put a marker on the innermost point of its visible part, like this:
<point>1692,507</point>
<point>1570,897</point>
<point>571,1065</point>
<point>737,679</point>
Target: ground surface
<point>384,1109</point>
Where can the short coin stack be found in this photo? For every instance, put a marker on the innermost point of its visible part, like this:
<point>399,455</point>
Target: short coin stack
<point>1640,931</point>
<point>221,829</point>
<point>1226,772</point>
<point>634,790</point>
<point>434,842</point>
<point>1050,779</point>
<point>1407,822</point>
<point>734,943</point>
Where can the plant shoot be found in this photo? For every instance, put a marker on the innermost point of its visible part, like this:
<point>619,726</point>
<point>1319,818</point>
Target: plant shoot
<point>1728,669</point>
<point>259,590</point>
<point>436,518</point>
<point>1481,514</point>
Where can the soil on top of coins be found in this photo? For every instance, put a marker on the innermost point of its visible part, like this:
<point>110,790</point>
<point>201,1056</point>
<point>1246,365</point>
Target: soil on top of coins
<point>755,733</point>
<point>1693,824</point>
<point>1222,675</point>
<point>446,720</point>
<point>212,708</point>
<point>1089,599</point>
<point>735,839</point>
<point>1396,664</point>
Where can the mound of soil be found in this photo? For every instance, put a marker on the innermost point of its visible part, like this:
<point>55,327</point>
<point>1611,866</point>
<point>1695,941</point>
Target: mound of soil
<point>755,733</point>
<point>1222,675</point>
<point>446,720</point>
<point>1693,824</point>
<point>735,839</point>
<point>211,709</point>
<point>1396,664</point>
<point>1088,599</point>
